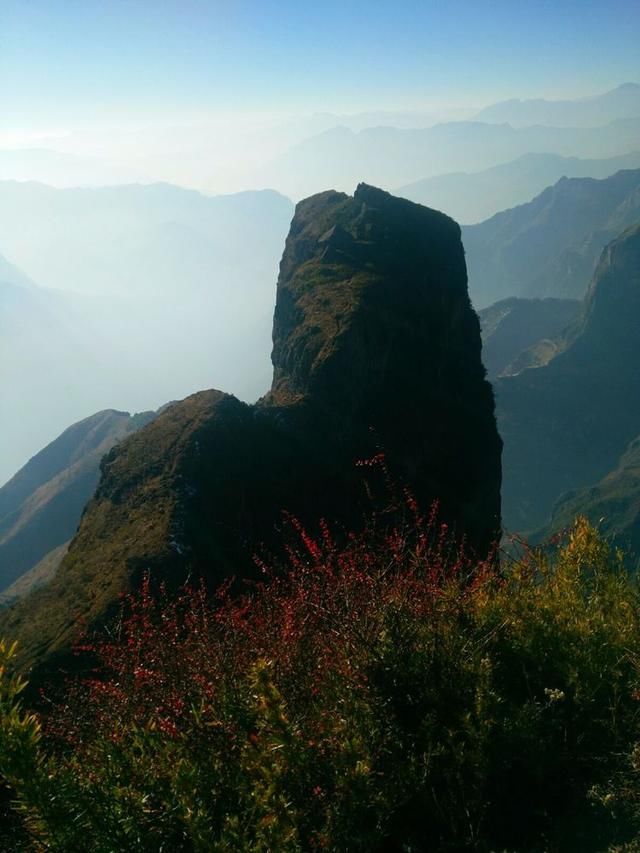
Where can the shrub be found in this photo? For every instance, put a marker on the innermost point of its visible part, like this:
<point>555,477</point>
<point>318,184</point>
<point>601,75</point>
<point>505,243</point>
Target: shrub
<point>386,694</point>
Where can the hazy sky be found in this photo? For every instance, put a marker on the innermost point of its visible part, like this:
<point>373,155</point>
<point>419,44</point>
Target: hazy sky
<point>204,93</point>
<point>71,63</point>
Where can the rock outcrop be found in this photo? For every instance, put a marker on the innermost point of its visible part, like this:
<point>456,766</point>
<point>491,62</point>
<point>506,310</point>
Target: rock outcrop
<point>375,347</point>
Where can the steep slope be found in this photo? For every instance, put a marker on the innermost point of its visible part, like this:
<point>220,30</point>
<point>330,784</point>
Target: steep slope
<point>565,424</point>
<point>472,197</point>
<point>550,246</point>
<point>619,103</point>
<point>375,345</point>
<point>40,507</point>
<point>613,504</point>
<point>512,326</point>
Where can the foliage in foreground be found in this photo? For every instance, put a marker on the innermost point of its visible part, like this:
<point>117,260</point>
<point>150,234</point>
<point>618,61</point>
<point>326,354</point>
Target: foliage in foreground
<point>384,695</point>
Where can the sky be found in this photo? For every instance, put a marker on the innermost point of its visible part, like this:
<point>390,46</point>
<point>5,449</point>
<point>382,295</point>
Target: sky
<point>83,63</point>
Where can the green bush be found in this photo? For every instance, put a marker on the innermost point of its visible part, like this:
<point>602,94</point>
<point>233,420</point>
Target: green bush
<point>387,694</point>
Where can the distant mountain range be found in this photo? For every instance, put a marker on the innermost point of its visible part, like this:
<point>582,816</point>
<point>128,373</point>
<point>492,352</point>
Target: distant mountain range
<point>619,103</point>
<point>549,246</point>
<point>223,156</point>
<point>40,507</point>
<point>612,504</point>
<point>141,237</point>
<point>393,157</point>
<point>471,197</point>
<point>165,291</point>
<point>566,424</point>
<point>62,169</point>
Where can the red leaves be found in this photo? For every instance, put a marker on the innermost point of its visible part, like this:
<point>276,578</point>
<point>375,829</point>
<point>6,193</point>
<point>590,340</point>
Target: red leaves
<point>376,461</point>
<point>170,663</point>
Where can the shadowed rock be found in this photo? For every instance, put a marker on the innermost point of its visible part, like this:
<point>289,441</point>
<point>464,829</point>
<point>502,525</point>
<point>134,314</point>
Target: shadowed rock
<point>375,346</point>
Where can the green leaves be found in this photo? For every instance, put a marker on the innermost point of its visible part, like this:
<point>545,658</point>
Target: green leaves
<point>382,694</point>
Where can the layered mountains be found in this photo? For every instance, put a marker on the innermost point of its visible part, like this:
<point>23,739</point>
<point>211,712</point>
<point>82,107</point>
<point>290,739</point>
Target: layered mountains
<point>511,328</point>
<point>471,197</point>
<point>376,355</point>
<point>141,238</point>
<point>145,294</point>
<point>550,246</point>
<point>40,507</point>
<point>567,423</point>
<point>619,103</point>
<point>394,157</point>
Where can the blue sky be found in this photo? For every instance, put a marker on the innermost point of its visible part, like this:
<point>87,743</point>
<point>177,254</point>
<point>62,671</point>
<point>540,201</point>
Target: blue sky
<point>83,61</point>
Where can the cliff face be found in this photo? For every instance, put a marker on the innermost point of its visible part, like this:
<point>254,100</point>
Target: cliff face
<point>566,424</point>
<point>373,328</point>
<point>375,345</point>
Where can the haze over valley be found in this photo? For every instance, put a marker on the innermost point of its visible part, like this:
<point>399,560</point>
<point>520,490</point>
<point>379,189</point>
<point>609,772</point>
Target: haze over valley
<point>320,426</point>
<point>116,269</point>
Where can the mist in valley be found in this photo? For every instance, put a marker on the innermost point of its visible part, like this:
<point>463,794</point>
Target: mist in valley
<point>143,214</point>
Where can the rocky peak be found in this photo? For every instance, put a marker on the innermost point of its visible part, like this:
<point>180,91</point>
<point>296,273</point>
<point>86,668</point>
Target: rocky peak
<point>375,346</point>
<point>371,301</point>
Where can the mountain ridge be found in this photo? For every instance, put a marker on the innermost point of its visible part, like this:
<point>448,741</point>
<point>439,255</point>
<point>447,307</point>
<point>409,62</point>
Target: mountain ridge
<point>621,102</point>
<point>566,423</point>
<point>392,157</point>
<point>41,505</point>
<point>550,245</point>
<point>511,327</point>
<point>472,197</point>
